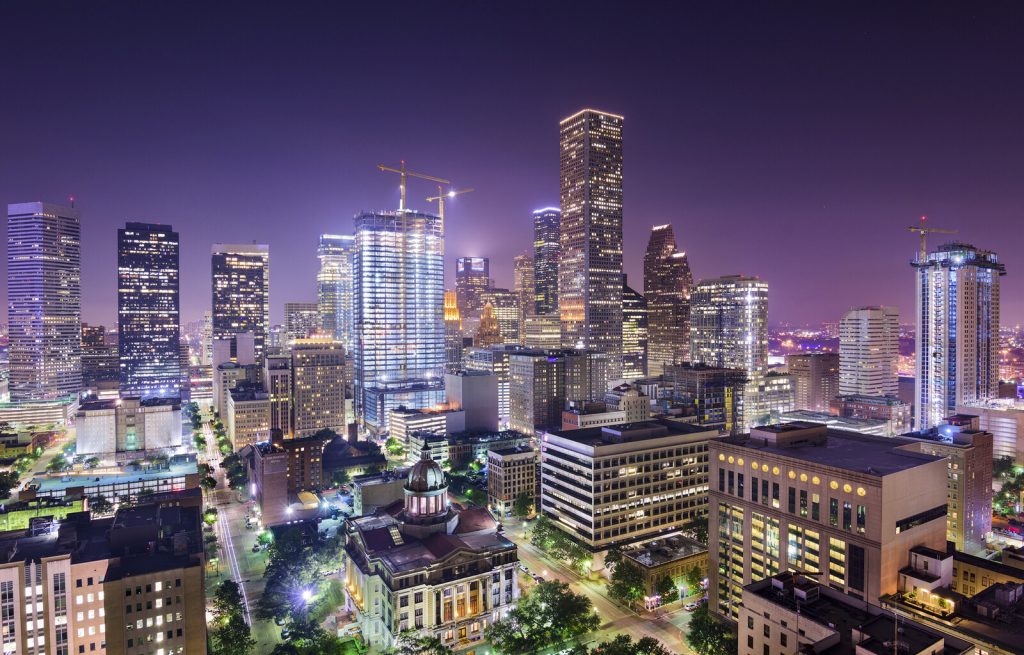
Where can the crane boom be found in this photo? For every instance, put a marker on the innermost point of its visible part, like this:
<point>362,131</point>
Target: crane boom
<point>924,232</point>
<point>439,199</point>
<point>406,173</point>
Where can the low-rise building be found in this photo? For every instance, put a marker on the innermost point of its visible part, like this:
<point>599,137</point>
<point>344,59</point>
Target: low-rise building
<point>629,399</point>
<point>39,413</point>
<point>672,556</point>
<point>283,474</point>
<point>591,415</point>
<point>511,472</point>
<point>712,395</point>
<point>377,490</point>
<point>1004,418</point>
<point>441,420</point>
<point>877,427</point>
<point>476,394</point>
<point>467,447</point>
<point>892,410</point>
<point>127,482</point>
<point>128,425</point>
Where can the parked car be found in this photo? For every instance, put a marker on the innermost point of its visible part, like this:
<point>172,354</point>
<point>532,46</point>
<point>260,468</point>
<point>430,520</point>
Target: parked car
<point>689,607</point>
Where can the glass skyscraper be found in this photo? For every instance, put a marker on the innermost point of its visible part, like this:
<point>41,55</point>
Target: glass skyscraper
<point>44,301</point>
<point>635,333</point>
<point>472,278</point>
<point>335,287</point>
<point>399,303</point>
<point>667,282</point>
<point>729,323</point>
<point>546,236</point>
<point>241,293</point>
<point>148,316</point>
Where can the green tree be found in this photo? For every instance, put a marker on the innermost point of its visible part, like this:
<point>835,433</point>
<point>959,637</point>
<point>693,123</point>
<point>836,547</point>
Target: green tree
<point>92,462</point>
<point>1002,467</point>
<point>627,583</point>
<point>100,505</point>
<point>8,481</point>
<point>209,482</point>
<point>667,590</point>
<point>209,516</point>
<point>394,447</point>
<point>694,580</point>
<point>523,505</point>
<point>341,477</point>
<point>707,636</point>
<point>550,615</point>
<point>230,635</point>
<point>698,528</point>
<point>624,645</point>
<point>613,556</point>
<point>413,643</point>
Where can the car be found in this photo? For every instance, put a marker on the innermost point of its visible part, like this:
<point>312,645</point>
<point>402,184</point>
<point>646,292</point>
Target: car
<point>285,632</point>
<point>255,548</point>
<point>689,607</point>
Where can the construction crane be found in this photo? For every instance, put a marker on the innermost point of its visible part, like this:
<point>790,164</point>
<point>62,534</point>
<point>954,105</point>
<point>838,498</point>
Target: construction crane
<point>440,198</point>
<point>924,232</point>
<point>404,174</point>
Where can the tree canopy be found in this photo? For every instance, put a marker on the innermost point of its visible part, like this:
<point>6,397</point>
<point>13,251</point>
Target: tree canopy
<point>230,635</point>
<point>550,615</point>
<point>707,636</point>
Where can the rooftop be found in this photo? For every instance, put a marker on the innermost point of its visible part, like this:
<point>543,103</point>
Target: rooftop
<point>176,467</point>
<point>664,550</point>
<point>655,428</point>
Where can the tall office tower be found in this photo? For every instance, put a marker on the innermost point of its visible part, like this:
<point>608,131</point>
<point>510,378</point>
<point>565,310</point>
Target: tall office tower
<point>452,333</point>
<point>335,287</point>
<point>301,320</point>
<point>729,323</point>
<point>815,379</point>
<point>494,360</point>
<point>489,332</point>
<point>957,330</point>
<point>635,333</point>
<point>525,287</point>
<point>869,352</point>
<point>590,261</point>
<point>207,340</point>
<point>241,292</point>
<point>507,310</point>
<point>277,381</point>
<point>472,277</point>
<point>546,246</point>
<point>587,374</point>
<point>667,282</point>
<point>542,331</point>
<point>94,337</point>
<point>536,391</point>
<point>148,320</point>
<point>711,396</point>
<point>400,353</point>
<point>318,386</point>
<point>44,301</point>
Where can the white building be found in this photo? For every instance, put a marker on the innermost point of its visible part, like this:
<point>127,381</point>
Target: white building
<point>869,351</point>
<point>128,424</point>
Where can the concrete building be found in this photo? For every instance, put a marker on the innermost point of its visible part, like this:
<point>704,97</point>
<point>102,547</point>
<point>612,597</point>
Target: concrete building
<point>1004,418</point>
<point>630,400</point>
<point>712,396</point>
<point>635,333</point>
<point>591,415</point>
<point>536,391</point>
<point>511,473</point>
<point>542,331</point>
<point>247,416</point>
<point>301,321</point>
<point>844,508</point>
<point>277,382</point>
<point>428,568</point>
<point>318,386</point>
<point>815,378</point>
<point>766,397</point>
<point>225,377</point>
<point>614,485</point>
<point>546,248</point>
<point>590,260</point>
<point>430,445</point>
<point>893,411</point>
<point>467,447</point>
<point>671,556</point>
<point>869,351</point>
<point>495,360</point>
<point>241,293</point>
<point>442,420</point>
<point>476,394</point>
<point>126,483</point>
<point>667,282</point>
<point>877,427</point>
<point>452,333</point>
<point>128,425</point>
<point>377,490</point>
<point>57,413</point>
<point>281,473</point>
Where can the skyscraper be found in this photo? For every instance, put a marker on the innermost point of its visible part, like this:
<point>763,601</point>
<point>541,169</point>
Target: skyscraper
<point>667,282</point>
<point>815,379</point>
<point>452,334</point>
<point>590,261</point>
<point>318,386</point>
<point>399,301</point>
<point>148,319</point>
<point>472,277</point>
<point>635,337</point>
<point>729,323</point>
<point>44,301</point>
<point>301,320</point>
<point>241,292</point>
<point>546,238</point>
<point>524,284</point>
<point>957,330</point>
<point>507,310</point>
<point>335,287</point>
<point>869,350</point>
<point>489,332</point>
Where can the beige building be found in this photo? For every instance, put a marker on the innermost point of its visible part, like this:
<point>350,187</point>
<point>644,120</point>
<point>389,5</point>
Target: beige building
<point>318,386</point>
<point>277,381</point>
<point>815,378</point>
<point>128,425</point>
<point>511,472</point>
<point>1004,418</point>
<point>672,556</point>
<point>247,416</point>
<point>542,331</point>
<point>630,400</point>
<point>843,507</point>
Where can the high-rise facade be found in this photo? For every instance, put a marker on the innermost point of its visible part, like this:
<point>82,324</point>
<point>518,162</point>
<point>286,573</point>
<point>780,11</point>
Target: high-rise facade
<point>277,382</point>
<point>546,246</point>
<point>957,330</point>
<point>399,301</point>
<point>44,301</point>
<point>508,310</point>
<point>472,277</point>
<point>635,333</point>
<point>536,391</point>
<point>729,323</point>
<point>335,287</point>
<point>318,386</point>
<point>241,292</point>
<point>815,377</point>
<point>148,318</point>
<point>489,332</point>
<point>590,260</point>
<point>301,320</point>
<point>452,333</point>
<point>869,351</point>
<point>667,282</point>
<point>524,285</point>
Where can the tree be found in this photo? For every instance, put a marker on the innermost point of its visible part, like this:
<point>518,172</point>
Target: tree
<point>394,447</point>
<point>209,516</point>
<point>523,505</point>
<point>231,635</point>
<point>698,528</point>
<point>1002,467</point>
<point>667,590</point>
<point>8,481</point>
<point>613,556</point>
<point>413,643</point>
<point>209,482</point>
<point>707,636</point>
<point>341,477</point>
<point>550,615</point>
<point>627,583</point>
<point>92,462</point>
<point>100,504</point>
<point>624,645</point>
<point>694,580</point>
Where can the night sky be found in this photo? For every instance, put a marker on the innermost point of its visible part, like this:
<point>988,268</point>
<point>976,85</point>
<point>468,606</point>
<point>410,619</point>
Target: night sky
<point>783,139</point>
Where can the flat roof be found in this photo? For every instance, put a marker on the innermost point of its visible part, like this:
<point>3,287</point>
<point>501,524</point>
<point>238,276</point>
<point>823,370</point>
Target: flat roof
<point>663,550</point>
<point>92,478</point>
<point>619,433</point>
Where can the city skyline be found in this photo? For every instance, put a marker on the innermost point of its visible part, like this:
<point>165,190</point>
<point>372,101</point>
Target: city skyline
<point>832,173</point>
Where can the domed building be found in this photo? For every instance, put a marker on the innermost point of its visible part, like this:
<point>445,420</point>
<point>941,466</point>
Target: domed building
<point>421,564</point>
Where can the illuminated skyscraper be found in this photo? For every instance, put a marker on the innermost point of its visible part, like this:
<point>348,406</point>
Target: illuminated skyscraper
<point>489,332</point>
<point>44,301</point>
<point>452,334</point>
<point>241,292</point>
<point>667,282</point>
<point>301,320</point>
<point>472,277</point>
<point>546,246</point>
<point>635,338</point>
<point>318,386</point>
<point>507,310</point>
<point>399,303</point>
<point>525,287</point>
<point>869,352</point>
<point>729,323</point>
<point>957,330</point>
<point>590,261</point>
<point>335,287</point>
<point>149,328</point>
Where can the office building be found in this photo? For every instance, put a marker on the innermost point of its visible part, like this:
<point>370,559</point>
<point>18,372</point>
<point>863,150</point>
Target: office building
<point>318,386</point>
<point>241,293</point>
<point>613,485</point>
<point>957,336</point>
<point>507,310</point>
<point>128,424</point>
<point>39,413</point>
<point>635,333</point>
<point>226,376</point>
<point>301,320</point>
<point>283,475</point>
<point>94,337</point>
<point>542,331</point>
<point>472,277</point>
<point>587,374</point>
<point>495,360</point>
<point>377,490</point>
<point>44,301</point>
<point>441,420</point>
<point>126,484</point>
<point>815,378</point>
<point>511,473</point>
<point>766,397</point>
<point>277,382</point>
<point>475,393</point>
<point>711,396</point>
<point>672,556</point>
<point>667,282</point>
<point>1004,418</point>
<point>101,369</point>
<point>148,318</point>
<point>877,427</point>
<point>335,290</point>
<point>400,335</point>
<point>629,400</point>
<point>844,508</point>
<point>729,323</point>
<point>429,568</point>
<point>128,584</point>
<point>452,333</point>
<point>247,415</point>
<point>893,411</point>
<point>489,331</point>
<point>590,261</point>
<point>536,391</point>
<point>869,351</point>
<point>207,339</point>
<point>546,248</point>
<point>524,286</point>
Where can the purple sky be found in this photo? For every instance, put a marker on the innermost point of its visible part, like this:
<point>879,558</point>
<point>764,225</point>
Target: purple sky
<point>780,139</point>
